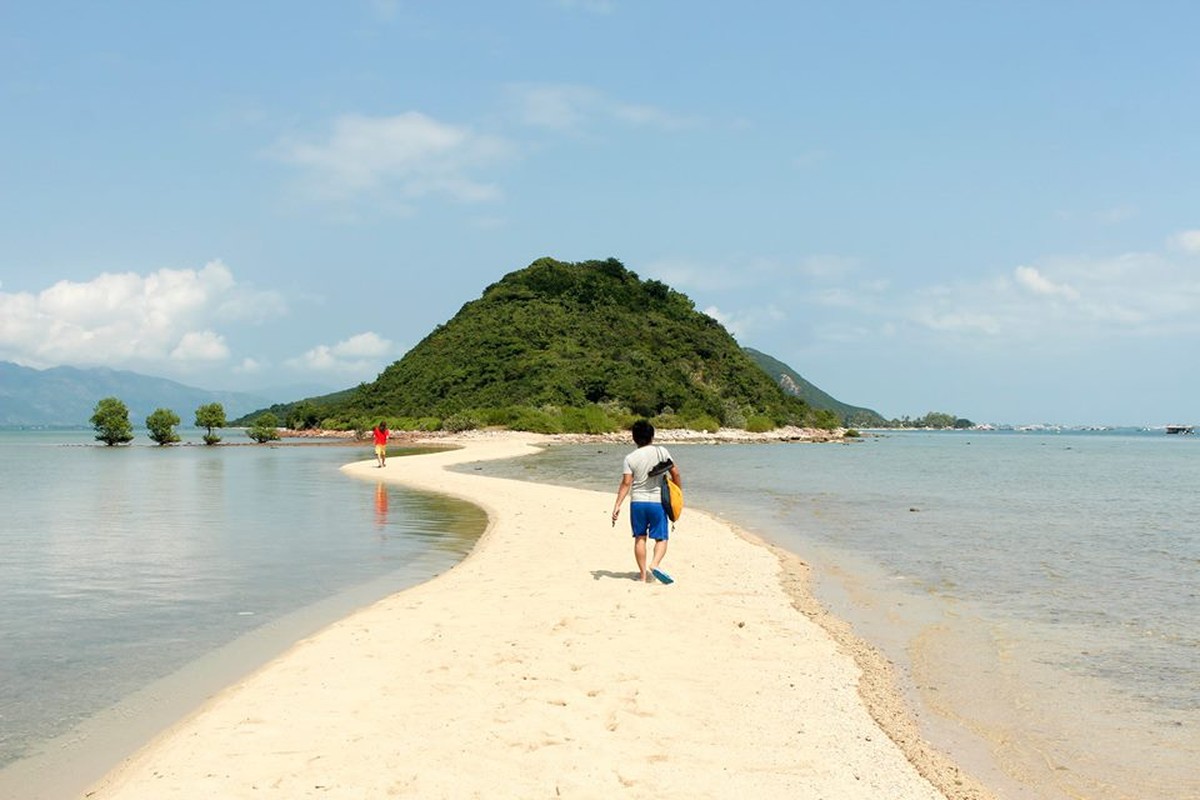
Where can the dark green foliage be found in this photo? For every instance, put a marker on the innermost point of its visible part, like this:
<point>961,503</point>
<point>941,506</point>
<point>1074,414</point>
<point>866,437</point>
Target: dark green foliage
<point>209,416</point>
<point>934,419</point>
<point>303,416</point>
<point>759,424</point>
<point>161,425</point>
<point>826,419</point>
<point>457,423</point>
<point>557,336</point>
<point>111,421</point>
<point>264,429</point>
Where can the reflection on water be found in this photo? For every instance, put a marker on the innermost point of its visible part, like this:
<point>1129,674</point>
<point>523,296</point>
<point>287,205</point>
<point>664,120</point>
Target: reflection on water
<point>119,565</point>
<point>381,505</point>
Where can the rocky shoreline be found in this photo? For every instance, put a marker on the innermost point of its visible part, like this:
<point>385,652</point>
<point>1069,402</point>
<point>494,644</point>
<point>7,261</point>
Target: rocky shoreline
<point>677,435</point>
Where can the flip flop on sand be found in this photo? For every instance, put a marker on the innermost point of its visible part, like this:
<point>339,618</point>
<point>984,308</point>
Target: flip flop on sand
<point>662,576</point>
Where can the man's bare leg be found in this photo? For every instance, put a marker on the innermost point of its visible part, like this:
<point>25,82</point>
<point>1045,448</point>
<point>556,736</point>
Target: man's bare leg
<point>660,550</point>
<point>639,555</point>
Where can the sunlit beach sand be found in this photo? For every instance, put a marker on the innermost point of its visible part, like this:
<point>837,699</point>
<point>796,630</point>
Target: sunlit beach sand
<point>540,667</point>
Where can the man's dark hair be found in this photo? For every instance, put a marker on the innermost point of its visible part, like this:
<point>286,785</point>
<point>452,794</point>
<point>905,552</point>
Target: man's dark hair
<point>643,433</point>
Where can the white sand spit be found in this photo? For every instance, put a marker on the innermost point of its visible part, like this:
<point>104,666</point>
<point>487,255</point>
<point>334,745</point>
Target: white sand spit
<point>540,668</point>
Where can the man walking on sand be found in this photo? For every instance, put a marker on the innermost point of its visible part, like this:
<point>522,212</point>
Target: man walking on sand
<point>646,514</point>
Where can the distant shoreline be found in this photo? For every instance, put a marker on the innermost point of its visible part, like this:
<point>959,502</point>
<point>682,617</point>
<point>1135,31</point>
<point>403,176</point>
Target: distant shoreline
<point>679,435</point>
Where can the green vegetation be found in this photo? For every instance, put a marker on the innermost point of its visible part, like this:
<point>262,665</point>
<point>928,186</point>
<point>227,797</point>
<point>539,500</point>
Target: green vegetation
<point>934,419</point>
<point>570,347</point>
<point>161,425</point>
<point>303,416</point>
<point>209,416</point>
<point>265,428</point>
<point>111,421</point>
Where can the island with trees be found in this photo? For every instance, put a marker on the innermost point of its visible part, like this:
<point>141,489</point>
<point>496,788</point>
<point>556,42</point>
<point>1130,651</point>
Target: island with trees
<point>561,347</point>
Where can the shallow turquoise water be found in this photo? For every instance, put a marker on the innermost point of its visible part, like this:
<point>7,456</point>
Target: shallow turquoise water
<point>120,565</point>
<point>1038,591</point>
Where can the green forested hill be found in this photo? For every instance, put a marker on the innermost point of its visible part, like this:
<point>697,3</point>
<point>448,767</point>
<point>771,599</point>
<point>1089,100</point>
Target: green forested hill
<point>589,335</point>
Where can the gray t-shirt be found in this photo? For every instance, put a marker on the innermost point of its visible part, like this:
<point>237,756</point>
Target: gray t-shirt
<point>638,464</point>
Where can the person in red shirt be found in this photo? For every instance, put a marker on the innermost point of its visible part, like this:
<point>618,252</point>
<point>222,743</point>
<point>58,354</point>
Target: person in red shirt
<point>381,437</point>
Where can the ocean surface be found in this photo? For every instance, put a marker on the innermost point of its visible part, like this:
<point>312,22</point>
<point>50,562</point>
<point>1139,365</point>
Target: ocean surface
<point>1036,591</point>
<point>121,566</point>
<point>1039,593</point>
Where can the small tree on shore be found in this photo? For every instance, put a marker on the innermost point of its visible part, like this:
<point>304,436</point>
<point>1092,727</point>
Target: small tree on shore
<point>111,421</point>
<point>265,428</point>
<point>161,424</point>
<point>209,416</point>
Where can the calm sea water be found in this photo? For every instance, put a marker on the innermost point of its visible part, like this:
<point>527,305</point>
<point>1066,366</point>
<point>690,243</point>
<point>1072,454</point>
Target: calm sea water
<point>1038,592</point>
<point>120,565</point>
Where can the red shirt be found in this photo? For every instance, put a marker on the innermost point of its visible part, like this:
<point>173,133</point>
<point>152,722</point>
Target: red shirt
<point>381,436</point>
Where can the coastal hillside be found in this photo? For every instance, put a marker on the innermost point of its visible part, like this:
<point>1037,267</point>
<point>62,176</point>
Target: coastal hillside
<point>588,335</point>
<point>791,382</point>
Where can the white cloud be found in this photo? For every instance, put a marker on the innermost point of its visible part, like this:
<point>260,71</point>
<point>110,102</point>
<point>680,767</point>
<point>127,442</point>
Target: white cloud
<point>1055,304</point>
<point>363,345</point>
<point>362,354</point>
<point>1132,294</point>
<point>249,366</point>
<point>726,320</point>
<point>128,320</point>
<point>200,346</point>
<point>570,107</point>
<point>410,153</point>
<point>1033,280</point>
<point>556,107</point>
<point>751,272</point>
<point>1187,241</point>
<point>746,320</point>
<point>691,275</point>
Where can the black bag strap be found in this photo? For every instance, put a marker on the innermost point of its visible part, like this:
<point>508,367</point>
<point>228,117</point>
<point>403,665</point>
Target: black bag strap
<point>663,466</point>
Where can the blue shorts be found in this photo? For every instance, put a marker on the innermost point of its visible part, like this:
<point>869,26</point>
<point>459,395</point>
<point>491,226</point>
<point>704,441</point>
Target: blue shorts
<point>649,519</point>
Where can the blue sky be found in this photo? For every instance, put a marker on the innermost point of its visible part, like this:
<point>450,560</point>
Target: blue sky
<point>985,208</point>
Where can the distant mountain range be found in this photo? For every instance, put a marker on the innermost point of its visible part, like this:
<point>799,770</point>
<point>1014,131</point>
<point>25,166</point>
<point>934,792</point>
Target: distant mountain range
<point>67,396</point>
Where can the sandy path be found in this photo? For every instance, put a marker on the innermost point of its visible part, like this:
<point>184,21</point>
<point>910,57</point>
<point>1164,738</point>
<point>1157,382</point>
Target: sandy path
<point>539,667</point>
